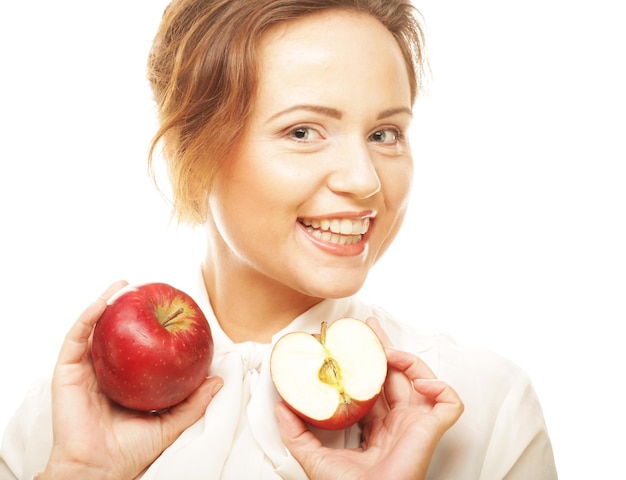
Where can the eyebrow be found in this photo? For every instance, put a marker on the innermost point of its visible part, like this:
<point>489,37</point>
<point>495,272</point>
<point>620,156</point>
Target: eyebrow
<point>394,111</point>
<point>326,111</point>
<point>334,113</point>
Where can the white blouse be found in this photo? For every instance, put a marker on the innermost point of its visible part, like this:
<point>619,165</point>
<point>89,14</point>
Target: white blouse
<point>501,434</point>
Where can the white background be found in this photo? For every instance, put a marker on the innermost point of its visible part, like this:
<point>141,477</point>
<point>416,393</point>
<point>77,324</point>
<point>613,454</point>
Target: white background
<point>515,239</point>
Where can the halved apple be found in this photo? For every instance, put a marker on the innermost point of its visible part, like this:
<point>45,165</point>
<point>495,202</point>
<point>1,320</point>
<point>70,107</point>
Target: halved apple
<point>333,379</point>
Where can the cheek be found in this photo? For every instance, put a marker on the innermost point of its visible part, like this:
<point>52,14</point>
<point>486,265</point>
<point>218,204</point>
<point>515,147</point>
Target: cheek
<point>251,194</point>
<point>396,182</point>
<point>228,203</point>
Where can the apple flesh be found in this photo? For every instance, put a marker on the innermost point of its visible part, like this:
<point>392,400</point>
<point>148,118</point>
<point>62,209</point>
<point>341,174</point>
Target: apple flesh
<point>151,348</point>
<point>333,379</point>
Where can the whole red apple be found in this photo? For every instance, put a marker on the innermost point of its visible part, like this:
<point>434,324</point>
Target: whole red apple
<point>333,379</point>
<point>152,347</point>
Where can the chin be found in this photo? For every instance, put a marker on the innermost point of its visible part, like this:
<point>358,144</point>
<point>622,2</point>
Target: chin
<point>340,288</point>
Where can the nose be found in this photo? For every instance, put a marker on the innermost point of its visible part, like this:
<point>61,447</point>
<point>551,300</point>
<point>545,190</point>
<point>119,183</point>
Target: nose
<point>353,171</point>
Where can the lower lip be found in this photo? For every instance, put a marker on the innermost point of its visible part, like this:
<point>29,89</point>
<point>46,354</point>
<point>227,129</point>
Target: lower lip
<point>334,248</point>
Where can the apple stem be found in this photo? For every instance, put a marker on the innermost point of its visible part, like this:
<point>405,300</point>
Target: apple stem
<point>173,316</point>
<point>323,333</point>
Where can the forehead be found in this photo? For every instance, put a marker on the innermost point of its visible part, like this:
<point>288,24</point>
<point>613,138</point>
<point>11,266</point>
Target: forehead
<point>334,54</point>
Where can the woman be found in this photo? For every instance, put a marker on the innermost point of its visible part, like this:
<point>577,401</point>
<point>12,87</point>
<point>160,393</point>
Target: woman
<point>284,125</point>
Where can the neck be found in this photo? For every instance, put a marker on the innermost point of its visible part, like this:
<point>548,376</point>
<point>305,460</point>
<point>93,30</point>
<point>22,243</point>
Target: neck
<point>248,305</point>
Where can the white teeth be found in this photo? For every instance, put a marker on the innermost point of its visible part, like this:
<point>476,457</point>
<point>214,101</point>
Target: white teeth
<point>343,226</point>
<point>365,226</point>
<point>346,227</point>
<point>342,231</point>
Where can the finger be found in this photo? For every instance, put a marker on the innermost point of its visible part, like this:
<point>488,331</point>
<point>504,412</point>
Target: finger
<point>374,324</point>
<point>381,406</point>
<point>403,369</point>
<point>378,411</point>
<point>438,390</point>
<point>411,365</point>
<point>304,446</point>
<point>76,341</point>
<point>398,389</point>
<point>180,417</point>
<point>371,424</point>
<point>448,404</point>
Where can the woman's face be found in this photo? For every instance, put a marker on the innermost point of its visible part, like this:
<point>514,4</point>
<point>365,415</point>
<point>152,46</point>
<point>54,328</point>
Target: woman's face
<point>318,187</point>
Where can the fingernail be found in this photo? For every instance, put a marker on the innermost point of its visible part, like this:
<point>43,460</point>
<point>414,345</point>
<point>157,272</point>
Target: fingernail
<point>278,411</point>
<point>282,407</point>
<point>216,388</point>
<point>426,380</point>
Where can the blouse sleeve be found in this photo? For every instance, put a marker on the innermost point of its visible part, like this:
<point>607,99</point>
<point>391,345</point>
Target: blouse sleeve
<point>519,447</point>
<point>27,440</point>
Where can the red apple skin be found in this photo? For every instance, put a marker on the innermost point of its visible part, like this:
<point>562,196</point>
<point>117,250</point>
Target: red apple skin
<point>139,363</point>
<point>345,416</point>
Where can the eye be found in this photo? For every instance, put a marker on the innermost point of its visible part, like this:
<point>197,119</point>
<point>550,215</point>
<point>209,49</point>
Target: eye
<point>387,136</point>
<point>304,134</point>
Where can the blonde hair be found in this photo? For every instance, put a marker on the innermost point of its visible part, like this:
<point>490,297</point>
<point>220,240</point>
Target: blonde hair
<point>203,72</point>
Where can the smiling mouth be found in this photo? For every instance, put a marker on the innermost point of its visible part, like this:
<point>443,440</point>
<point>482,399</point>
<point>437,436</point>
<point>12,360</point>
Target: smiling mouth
<point>340,231</point>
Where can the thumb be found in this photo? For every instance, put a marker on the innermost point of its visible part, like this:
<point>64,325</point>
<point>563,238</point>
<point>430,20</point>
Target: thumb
<point>303,445</point>
<point>182,416</point>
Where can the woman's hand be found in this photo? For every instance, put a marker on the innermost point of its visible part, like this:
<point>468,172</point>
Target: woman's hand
<point>94,438</point>
<point>400,433</point>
